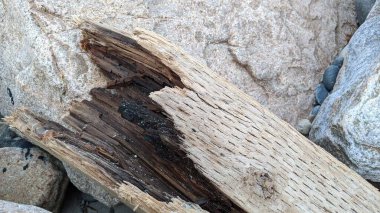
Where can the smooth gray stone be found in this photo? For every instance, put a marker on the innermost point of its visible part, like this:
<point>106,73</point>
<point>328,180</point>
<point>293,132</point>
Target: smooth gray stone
<point>314,112</point>
<point>89,186</point>
<point>329,77</point>
<point>11,207</point>
<point>321,93</point>
<point>338,61</point>
<point>303,126</point>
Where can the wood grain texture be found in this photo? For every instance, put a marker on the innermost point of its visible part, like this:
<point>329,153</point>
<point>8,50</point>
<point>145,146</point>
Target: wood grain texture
<point>250,158</point>
<point>66,147</point>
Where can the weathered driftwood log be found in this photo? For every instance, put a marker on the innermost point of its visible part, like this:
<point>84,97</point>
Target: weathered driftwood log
<point>168,134</point>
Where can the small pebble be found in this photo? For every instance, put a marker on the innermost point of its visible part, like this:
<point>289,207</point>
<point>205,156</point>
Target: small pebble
<point>304,126</point>
<point>314,112</point>
<point>338,61</point>
<point>329,77</point>
<point>321,93</point>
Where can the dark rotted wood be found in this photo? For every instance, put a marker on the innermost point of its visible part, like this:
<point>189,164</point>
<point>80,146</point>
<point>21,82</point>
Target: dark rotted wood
<point>149,135</point>
<point>157,144</point>
<point>122,164</point>
<point>115,57</point>
<point>130,133</point>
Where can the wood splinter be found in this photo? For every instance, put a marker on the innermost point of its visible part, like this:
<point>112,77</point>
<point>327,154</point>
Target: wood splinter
<point>169,135</point>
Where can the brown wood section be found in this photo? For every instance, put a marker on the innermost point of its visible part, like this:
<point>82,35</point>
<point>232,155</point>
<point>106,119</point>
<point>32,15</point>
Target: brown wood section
<point>130,133</point>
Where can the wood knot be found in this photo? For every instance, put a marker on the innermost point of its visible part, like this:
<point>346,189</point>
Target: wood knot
<point>260,182</point>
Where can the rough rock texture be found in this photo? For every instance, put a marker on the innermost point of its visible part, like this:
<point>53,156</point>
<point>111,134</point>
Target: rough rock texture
<point>303,126</point>
<point>89,186</point>
<point>363,7</point>
<point>347,124</point>
<point>28,176</point>
<point>6,206</point>
<point>274,50</point>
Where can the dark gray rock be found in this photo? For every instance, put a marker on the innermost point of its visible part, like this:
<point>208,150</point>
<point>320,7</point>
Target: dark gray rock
<point>10,139</point>
<point>363,7</point>
<point>314,112</point>
<point>5,134</point>
<point>329,77</point>
<point>321,93</point>
<point>15,142</point>
<point>338,61</point>
<point>347,124</point>
<point>79,202</point>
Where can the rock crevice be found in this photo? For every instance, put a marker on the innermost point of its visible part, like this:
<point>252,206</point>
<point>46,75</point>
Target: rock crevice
<point>347,124</point>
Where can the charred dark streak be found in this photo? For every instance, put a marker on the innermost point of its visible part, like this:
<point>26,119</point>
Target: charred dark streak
<point>144,148</point>
<point>10,95</point>
<point>25,167</point>
<point>28,154</point>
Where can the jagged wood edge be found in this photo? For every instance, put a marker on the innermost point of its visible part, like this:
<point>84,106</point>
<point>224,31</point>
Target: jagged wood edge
<point>25,123</point>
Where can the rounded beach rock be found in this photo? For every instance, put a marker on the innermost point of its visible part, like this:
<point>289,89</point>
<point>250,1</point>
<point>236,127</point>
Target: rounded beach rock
<point>329,77</point>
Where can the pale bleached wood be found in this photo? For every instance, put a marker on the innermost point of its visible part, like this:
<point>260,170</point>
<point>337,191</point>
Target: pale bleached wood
<point>259,161</point>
